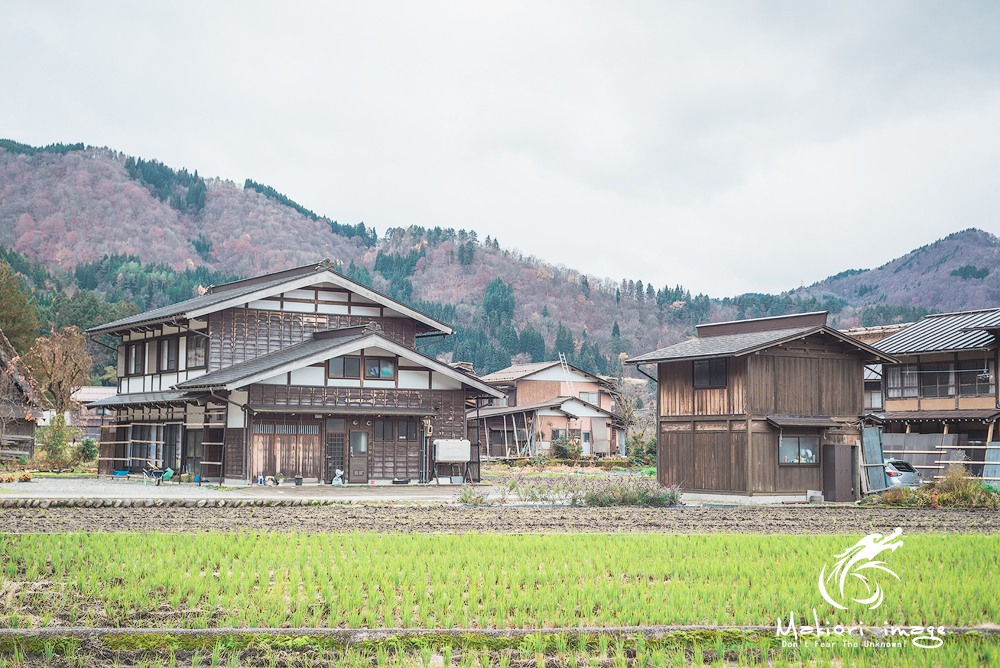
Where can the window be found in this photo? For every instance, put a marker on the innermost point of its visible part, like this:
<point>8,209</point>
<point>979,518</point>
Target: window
<point>901,381</point>
<point>976,379</point>
<point>589,397</point>
<point>344,367</point>
<point>197,345</point>
<point>586,438</point>
<point>383,430</point>
<point>937,380</point>
<point>380,367</point>
<point>499,402</point>
<point>135,358</point>
<point>407,430</point>
<point>168,354</point>
<point>558,433</point>
<point>873,395</point>
<point>798,450</point>
<point>710,373</point>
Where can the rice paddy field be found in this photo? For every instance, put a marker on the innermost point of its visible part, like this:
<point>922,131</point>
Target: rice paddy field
<point>481,599</point>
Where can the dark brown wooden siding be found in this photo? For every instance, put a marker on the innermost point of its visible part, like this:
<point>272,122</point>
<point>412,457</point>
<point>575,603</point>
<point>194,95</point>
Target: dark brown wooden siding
<point>242,334</point>
<point>678,395</point>
<point>234,453</point>
<point>805,382</point>
<point>711,457</point>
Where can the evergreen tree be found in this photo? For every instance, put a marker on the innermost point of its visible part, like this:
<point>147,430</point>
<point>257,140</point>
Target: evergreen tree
<point>585,286</point>
<point>615,331</point>
<point>18,318</point>
<point>564,342</point>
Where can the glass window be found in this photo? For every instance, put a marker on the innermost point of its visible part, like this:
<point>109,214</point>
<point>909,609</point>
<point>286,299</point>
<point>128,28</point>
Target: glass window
<point>197,345</point>
<point>359,443</point>
<point>798,450</point>
<point>586,437</point>
<point>558,433</point>
<point>901,381</point>
<point>168,354</point>
<point>937,380</point>
<point>337,424</point>
<point>589,397</point>
<point>135,359</point>
<point>710,373</point>
<point>383,430</point>
<point>380,367</point>
<point>407,430</point>
<point>976,378</point>
<point>344,367</point>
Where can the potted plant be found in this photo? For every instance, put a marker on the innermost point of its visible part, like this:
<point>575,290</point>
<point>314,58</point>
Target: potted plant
<point>298,480</point>
<point>278,479</point>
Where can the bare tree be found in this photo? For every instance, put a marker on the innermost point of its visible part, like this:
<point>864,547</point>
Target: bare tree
<point>18,399</point>
<point>60,365</point>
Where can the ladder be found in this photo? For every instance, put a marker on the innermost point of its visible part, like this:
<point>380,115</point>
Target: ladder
<point>569,378</point>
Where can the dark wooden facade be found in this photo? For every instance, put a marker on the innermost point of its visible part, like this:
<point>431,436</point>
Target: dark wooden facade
<point>725,439</point>
<point>287,418</point>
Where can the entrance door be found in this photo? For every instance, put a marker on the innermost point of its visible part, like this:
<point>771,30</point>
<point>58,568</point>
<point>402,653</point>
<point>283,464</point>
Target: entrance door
<point>336,441</point>
<point>585,443</point>
<point>194,451</point>
<point>358,470</point>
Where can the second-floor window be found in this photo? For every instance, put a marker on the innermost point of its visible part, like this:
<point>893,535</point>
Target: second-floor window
<point>344,367</point>
<point>380,367</point>
<point>589,397</point>
<point>168,354</point>
<point>901,381</point>
<point>135,359</point>
<point>197,346</point>
<point>937,380</point>
<point>710,373</point>
<point>976,378</point>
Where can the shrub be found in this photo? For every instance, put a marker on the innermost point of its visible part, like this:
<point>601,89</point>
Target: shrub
<point>565,449</point>
<point>54,440</point>
<point>88,451</point>
<point>9,477</point>
<point>24,476</point>
<point>954,490</point>
<point>642,453</point>
<point>472,496</point>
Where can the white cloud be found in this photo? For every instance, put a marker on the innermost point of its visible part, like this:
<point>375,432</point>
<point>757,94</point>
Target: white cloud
<point>728,147</point>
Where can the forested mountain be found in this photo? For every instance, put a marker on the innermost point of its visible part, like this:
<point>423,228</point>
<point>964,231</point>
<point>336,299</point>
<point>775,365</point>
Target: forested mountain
<point>95,234</point>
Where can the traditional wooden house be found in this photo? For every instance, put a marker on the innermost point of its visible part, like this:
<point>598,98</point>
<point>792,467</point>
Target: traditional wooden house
<point>757,407</point>
<point>296,373</point>
<point>941,401</point>
<point>544,402</point>
<point>20,406</point>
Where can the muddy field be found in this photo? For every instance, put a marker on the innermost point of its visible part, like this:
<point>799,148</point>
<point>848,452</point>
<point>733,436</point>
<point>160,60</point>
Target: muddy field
<point>458,519</point>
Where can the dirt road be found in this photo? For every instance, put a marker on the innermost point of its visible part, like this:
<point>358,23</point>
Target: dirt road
<point>460,519</point>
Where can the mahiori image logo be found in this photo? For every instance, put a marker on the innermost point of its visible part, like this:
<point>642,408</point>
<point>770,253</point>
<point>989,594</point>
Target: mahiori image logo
<point>859,563</point>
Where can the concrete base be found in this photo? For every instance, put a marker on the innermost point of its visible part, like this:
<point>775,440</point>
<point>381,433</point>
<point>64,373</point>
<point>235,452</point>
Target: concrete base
<point>739,499</point>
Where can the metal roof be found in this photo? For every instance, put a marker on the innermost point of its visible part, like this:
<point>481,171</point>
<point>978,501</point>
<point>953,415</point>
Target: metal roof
<point>556,403</point>
<point>518,371</point>
<point>803,421</point>
<point>986,414</point>
<point>138,398</point>
<point>321,347</point>
<point>944,332</point>
<point>238,292</point>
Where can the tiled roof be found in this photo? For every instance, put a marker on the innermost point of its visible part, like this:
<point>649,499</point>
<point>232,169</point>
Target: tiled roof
<point>227,294</point>
<point>944,332</point>
<point>721,346</point>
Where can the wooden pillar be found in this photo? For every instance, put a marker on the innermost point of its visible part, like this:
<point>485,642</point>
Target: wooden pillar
<point>945,428</point>
<point>907,427</point>
<point>989,433</point>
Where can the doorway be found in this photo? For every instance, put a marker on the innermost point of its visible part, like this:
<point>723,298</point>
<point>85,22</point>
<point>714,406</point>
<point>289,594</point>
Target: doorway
<point>358,464</point>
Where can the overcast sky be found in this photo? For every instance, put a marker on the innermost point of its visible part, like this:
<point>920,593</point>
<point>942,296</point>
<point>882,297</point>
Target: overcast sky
<point>729,147</point>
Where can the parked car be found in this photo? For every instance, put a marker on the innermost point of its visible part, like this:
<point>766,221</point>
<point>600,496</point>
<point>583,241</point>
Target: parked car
<point>902,474</point>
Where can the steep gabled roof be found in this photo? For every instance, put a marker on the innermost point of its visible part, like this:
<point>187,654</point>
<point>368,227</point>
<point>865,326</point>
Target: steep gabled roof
<point>745,343</point>
<point>964,330</point>
<point>321,347</point>
<point>558,403</point>
<point>240,292</point>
